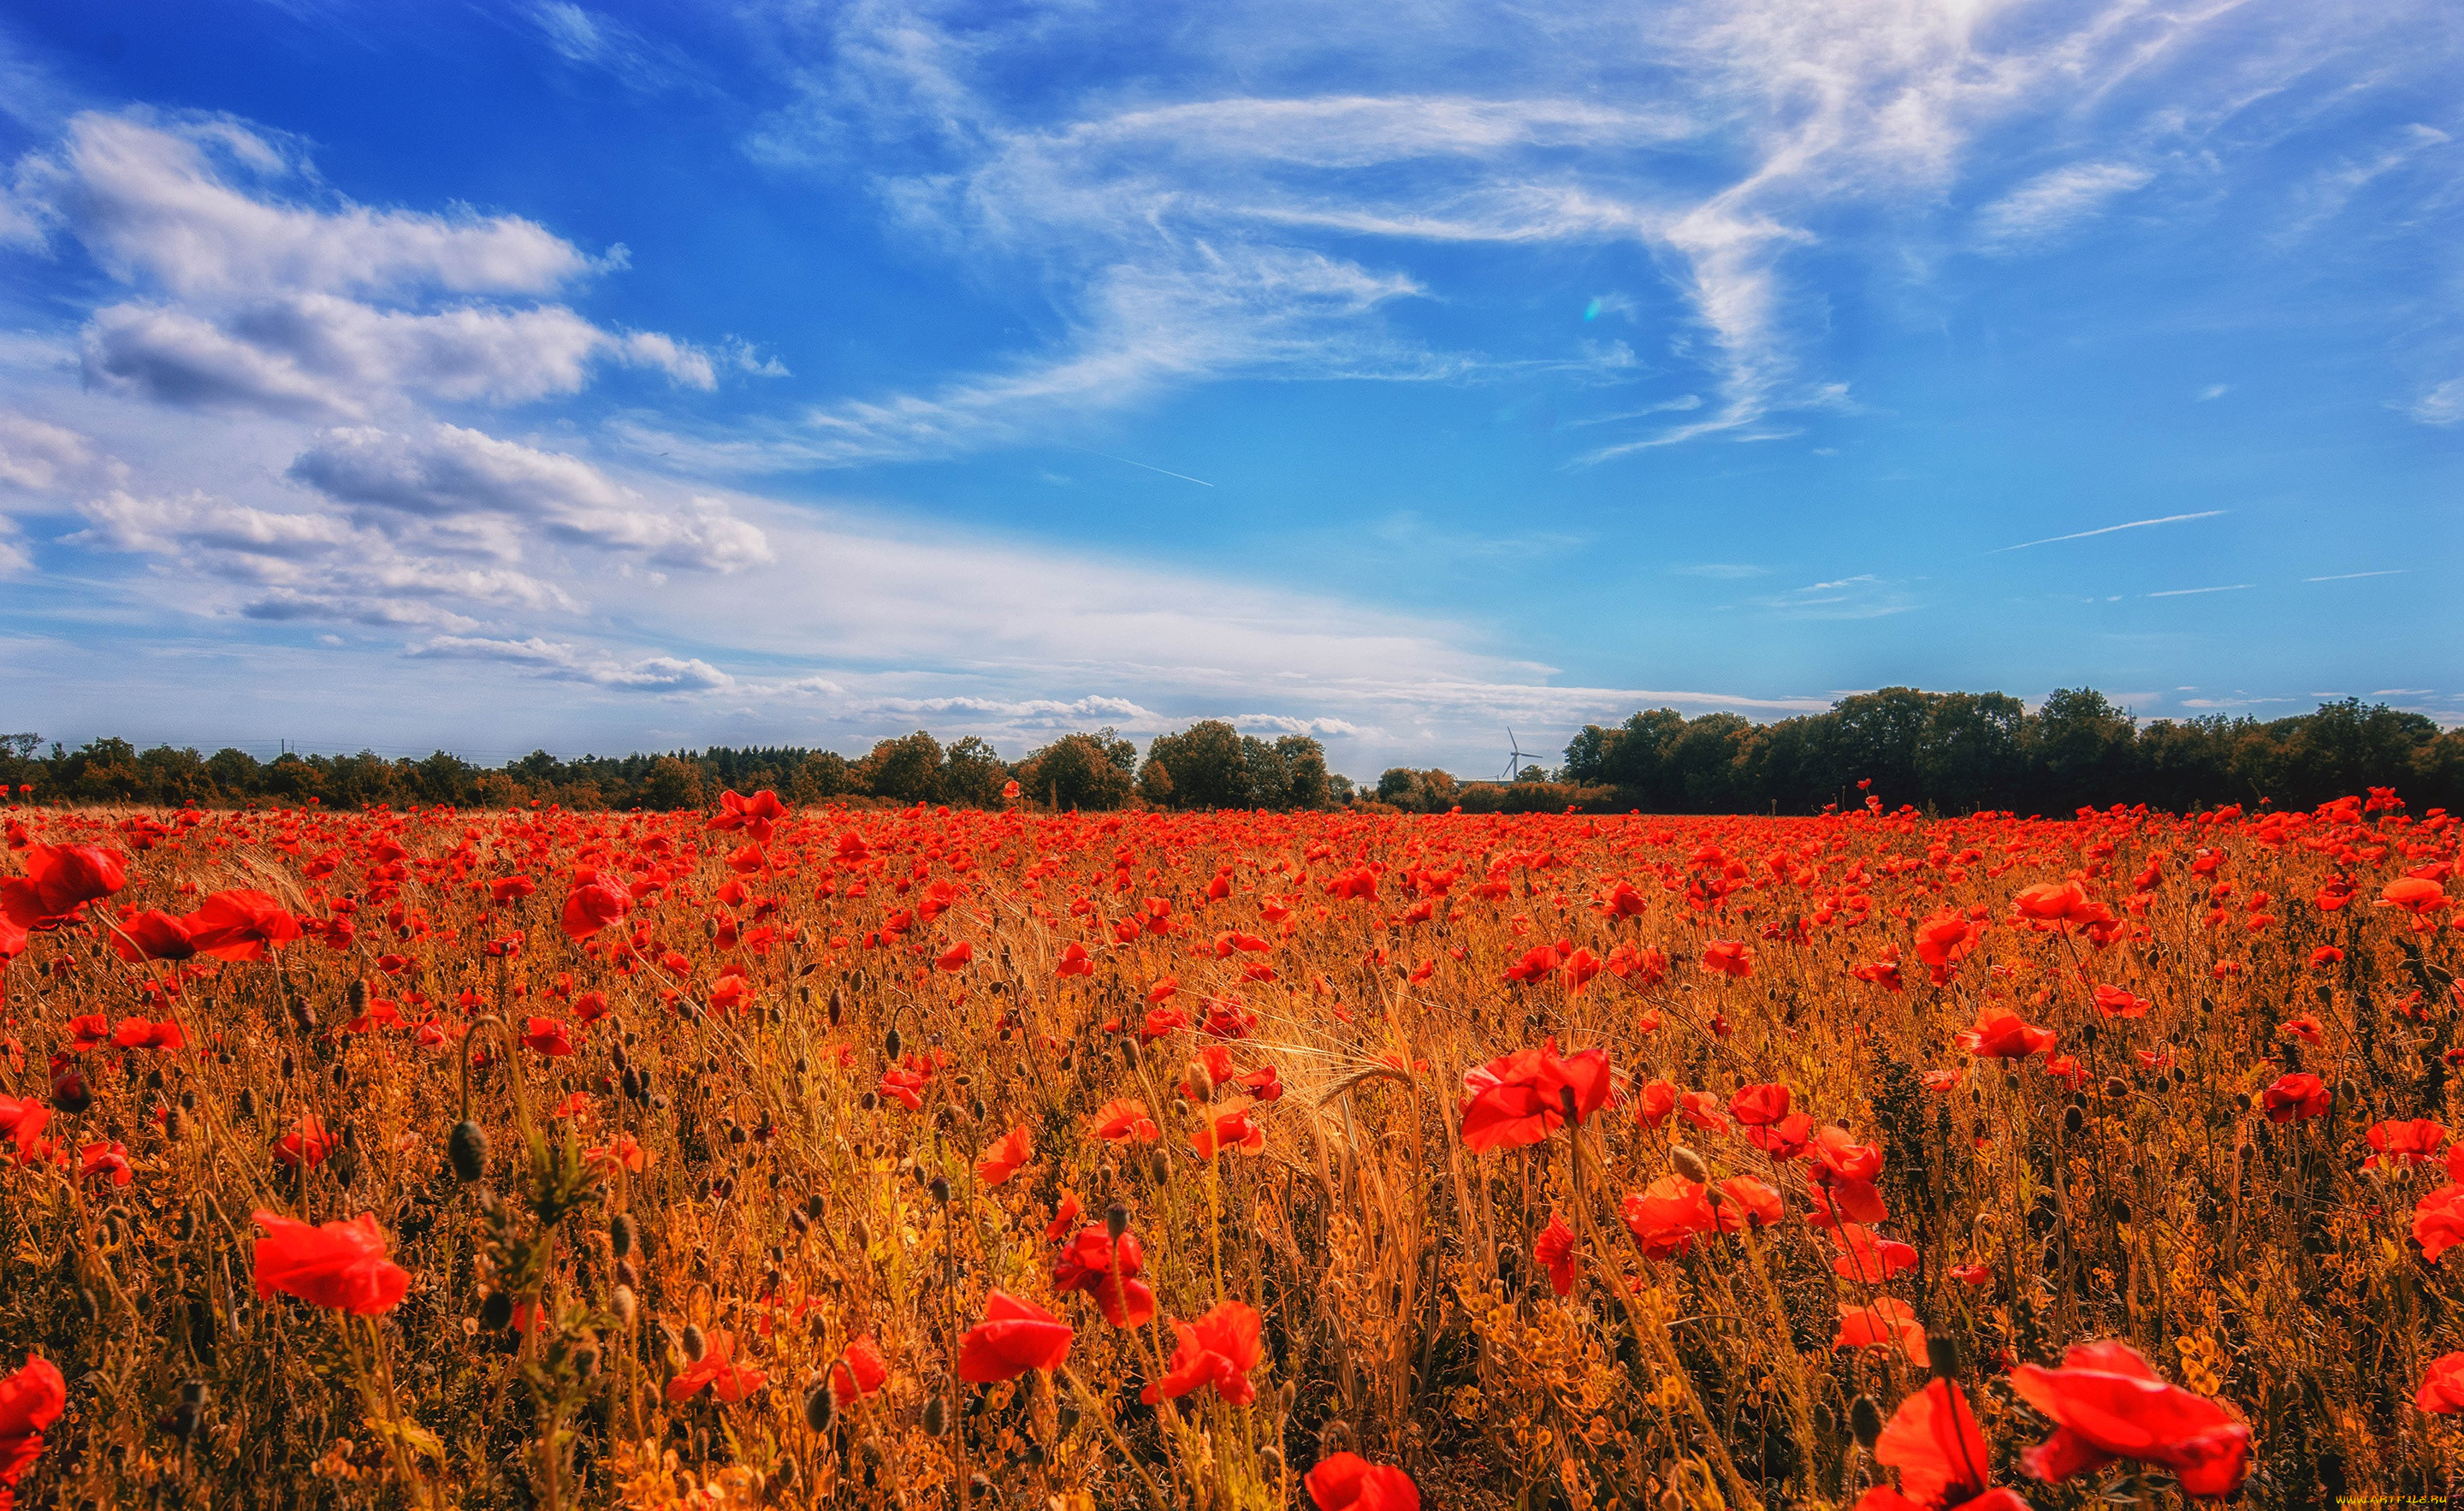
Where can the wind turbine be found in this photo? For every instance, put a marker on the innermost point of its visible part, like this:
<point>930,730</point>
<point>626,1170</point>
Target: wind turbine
<point>1515,757</point>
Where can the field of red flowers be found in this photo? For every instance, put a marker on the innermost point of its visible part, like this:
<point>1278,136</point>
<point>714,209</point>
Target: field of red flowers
<point>928,1158</point>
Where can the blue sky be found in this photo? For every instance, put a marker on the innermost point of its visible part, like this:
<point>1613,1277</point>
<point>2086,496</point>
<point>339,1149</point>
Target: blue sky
<point>604,378</point>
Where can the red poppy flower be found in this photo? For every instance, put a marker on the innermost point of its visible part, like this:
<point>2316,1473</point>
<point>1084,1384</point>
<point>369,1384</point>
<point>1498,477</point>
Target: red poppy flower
<point>1220,1349</point>
<point>1945,939</point>
<point>1657,1099</point>
<point>1125,1120</point>
<point>2439,1222</point>
<point>1109,1272</point>
<point>860,1371</point>
<point>107,1160</point>
<point>956,957</point>
<point>1756,1106</point>
<point>592,906</point>
<point>1014,1337</point>
<point>2403,1145</point>
<point>88,1031</point>
<point>2414,894</point>
<point>308,1144</point>
<point>1729,958</point>
<point>1520,1097</point>
<point>59,879</point>
<point>546,1036</point>
<point>30,1401</point>
<point>1075,962</point>
<point>2442,1386</point>
<point>1701,1109</point>
<point>1228,1130</point>
<point>137,1033</point>
<point>1350,1482</point>
<point>718,1370</point>
<point>2004,1036</point>
<point>2116,1002</point>
<point>1940,1452</point>
<point>1866,1256</point>
<point>1554,1252</point>
<point>1784,1139</point>
<point>1752,1198</point>
<point>1886,1323</point>
<point>152,935</point>
<point>239,926</point>
<point>2059,904</point>
<point>1664,1216</point>
<point>2108,1404</point>
<point>340,1265</point>
<point>2297,1096</point>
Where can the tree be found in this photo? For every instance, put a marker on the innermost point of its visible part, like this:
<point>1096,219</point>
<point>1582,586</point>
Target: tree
<point>1307,784</point>
<point>671,785</point>
<point>908,769</point>
<point>1208,765</point>
<point>1083,771</point>
<point>974,774</point>
<point>1971,756</point>
<point>2079,748</point>
<point>1154,784</point>
<point>820,776</point>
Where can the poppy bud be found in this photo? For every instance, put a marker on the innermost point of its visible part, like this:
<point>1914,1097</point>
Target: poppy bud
<point>821,1408</point>
<point>2087,1032</point>
<point>2072,1120</point>
<point>694,1343</point>
<point>172,1124</point>
<point>2241,1101</point>
<point>939,1189</point>
<point>620,1233</point>
<point>1159,1168</point>
<point>69,1092</point>
<point>2116,1088</point>
<point>1270,1459</point>
<point>1690,1165</point>
<point>2010,1083</point>
<point>1200,1083</point>
<point>466,1149</point>
<point>867,1101</point>
<point>1865,1421</point>
<point>1943,1349</point>
<point>814,1206</point>
<point>303,1018</point>
<point>2121,1209</point>
<point>496,1312</point>
<point>862,1235</point>
<point>358,996</point>
<point>937,1418</point>
<point>1116,1221</point>
<point>890,1044</point>
<point>621,1301</point>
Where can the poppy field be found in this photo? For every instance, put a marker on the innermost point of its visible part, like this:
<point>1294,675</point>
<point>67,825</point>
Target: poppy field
<point>908,1157</point>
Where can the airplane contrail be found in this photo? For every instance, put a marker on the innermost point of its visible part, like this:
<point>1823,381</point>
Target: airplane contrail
<point>2136,524</point>
<point>1126,462</point>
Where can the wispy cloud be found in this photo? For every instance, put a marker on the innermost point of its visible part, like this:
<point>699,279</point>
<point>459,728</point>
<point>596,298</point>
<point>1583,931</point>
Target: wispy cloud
<point>2056,203</point>
<point>2187,592</point>
<point>2346,576</point>
<point>2106,530</point>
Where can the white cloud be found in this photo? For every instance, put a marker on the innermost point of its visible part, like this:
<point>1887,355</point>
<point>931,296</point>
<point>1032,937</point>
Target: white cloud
<point>322,311</point>
<point>452,474</point>
<point>2443,404</point>
<point>2052,204</point>
<point>1864,596</point>
<point>154,200</point>
<point>569,663</point>
<point>40,457</point>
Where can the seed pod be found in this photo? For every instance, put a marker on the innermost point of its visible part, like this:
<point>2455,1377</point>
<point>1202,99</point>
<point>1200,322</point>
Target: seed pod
<point>821,1408</point>
<point>496,1312</point>
<point>1865,1421</point>
<point>466,1149</point>
<point>620,1233</point>
<point>694,1343</point>
<point>1689,1165</point>
<point>937,1418</point>
<point>890,1044</point>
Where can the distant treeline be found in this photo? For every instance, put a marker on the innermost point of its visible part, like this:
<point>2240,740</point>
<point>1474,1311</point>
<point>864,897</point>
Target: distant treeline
<point>1964,752</point>
<point>1952,752</point>
<point>1209,765</point>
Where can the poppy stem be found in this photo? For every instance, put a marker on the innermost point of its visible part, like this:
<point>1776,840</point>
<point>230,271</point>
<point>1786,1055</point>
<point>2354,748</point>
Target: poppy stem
<point>1104,1420</point>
